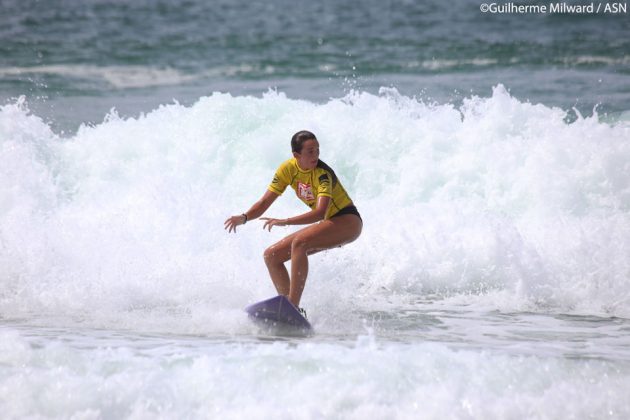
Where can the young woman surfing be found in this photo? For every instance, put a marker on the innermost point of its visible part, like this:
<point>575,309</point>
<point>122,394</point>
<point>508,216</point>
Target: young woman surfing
<point>316,184</point>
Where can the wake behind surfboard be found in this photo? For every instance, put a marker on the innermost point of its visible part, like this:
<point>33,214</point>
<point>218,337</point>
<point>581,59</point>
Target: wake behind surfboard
<point>278,313</point>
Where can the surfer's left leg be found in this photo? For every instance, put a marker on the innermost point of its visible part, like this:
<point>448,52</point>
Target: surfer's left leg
<point>326,234</point>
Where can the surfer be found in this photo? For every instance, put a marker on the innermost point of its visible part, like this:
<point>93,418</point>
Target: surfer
<point>333,219</point>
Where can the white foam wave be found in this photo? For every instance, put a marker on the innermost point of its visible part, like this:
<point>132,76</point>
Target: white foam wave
<point>446,64</point>
<point>196,380</point>
<point>500,202</point>
<point>120,77</point>
<point>597,59</point>
<point>130,76</point>
<point>442,64</point>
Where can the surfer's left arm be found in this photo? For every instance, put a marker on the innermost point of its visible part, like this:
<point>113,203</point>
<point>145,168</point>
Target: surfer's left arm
<point>315,215</point>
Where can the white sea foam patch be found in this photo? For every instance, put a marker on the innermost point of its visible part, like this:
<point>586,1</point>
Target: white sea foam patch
<point>142,379</point>
<point>120,77</point>
<point>597,59</point>
<point>436,64</point>
<point>500,201</point>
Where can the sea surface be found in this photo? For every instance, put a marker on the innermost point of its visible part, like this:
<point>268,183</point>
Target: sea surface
<point>488,154</point>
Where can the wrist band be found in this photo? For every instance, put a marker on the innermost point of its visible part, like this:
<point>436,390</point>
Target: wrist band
<point>245,218</point>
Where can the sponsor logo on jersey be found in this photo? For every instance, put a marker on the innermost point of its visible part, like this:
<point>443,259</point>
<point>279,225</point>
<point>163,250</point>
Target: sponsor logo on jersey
<point>305,191</point>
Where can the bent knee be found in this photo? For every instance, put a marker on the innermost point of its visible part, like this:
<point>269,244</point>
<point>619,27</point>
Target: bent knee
<point>270,254</point>
<point>273,254</point>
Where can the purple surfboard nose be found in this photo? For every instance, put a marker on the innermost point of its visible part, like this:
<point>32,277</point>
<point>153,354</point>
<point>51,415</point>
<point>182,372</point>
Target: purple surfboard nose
<point>278,310</point>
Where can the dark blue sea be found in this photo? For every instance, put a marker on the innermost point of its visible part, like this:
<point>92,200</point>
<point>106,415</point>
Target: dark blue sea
<point>75,60</point>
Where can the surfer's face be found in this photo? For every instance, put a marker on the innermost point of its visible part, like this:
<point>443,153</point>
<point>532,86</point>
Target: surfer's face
<point>309,155</point>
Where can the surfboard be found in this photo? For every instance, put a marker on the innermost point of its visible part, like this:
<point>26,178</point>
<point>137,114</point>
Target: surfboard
<point>278,312</point>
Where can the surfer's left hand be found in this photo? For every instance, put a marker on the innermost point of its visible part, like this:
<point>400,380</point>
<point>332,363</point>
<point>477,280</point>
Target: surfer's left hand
<point>271,222</point>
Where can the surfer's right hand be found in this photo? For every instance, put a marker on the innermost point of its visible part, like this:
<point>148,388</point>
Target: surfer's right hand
<point>231,223</point>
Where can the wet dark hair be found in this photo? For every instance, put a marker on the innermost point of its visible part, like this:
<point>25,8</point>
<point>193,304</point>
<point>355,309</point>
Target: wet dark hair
<point>297,143</point>
<point>299,138</point>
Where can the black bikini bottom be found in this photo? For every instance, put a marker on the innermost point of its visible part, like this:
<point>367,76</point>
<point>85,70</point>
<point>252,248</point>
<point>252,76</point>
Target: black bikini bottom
<point>351,209</point>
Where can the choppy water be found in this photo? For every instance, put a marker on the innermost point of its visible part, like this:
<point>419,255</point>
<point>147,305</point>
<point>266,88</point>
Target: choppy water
<point>492,277</point>
<point>77,59</point>
<point>546,367</point>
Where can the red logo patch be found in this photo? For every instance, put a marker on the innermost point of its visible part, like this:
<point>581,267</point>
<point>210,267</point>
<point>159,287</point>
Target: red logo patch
<point>305,191</point>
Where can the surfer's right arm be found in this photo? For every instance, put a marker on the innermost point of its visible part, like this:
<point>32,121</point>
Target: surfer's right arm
<point>257,210</point>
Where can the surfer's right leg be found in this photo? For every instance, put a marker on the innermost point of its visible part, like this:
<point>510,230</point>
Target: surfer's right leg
<point>275,256</point>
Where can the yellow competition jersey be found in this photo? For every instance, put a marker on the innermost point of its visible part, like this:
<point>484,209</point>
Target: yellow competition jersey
<point>310,184</point>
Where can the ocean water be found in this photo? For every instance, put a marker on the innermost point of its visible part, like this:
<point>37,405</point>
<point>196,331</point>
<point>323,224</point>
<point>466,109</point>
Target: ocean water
<point>77,59</point>
<point>489,156</point>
